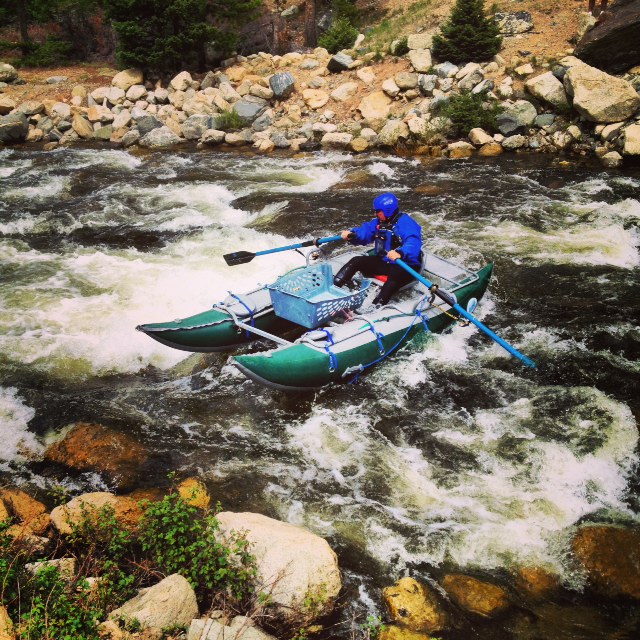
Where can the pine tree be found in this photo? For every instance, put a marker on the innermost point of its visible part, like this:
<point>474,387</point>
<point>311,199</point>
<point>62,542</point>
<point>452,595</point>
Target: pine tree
<point>468,35</point>
<point>170,35</point>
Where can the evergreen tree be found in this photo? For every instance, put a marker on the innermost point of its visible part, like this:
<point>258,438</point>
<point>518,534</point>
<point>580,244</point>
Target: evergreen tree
<point>169,35</point>
<point>468,35</point>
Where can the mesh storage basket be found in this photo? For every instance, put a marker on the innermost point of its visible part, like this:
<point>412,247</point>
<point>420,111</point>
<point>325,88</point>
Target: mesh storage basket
<point>309,298</point>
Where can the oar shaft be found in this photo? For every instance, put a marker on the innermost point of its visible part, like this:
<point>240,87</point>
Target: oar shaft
<point>465,314</point>
<point>299,245</point>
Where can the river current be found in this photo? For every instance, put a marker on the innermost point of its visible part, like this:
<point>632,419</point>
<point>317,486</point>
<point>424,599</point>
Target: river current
<point>449,454</point>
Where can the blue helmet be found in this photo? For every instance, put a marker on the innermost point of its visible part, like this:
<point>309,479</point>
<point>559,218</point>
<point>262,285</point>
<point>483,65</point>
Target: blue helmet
<point>386,203</point>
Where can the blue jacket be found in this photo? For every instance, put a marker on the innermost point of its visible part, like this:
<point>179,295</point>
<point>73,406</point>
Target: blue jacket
<point>406,232</point>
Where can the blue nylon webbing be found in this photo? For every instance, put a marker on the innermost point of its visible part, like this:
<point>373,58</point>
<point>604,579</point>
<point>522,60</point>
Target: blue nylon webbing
<point>253,324</point>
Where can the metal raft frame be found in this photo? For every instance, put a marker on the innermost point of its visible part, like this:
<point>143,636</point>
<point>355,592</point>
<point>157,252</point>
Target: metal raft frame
<point>443,272</point>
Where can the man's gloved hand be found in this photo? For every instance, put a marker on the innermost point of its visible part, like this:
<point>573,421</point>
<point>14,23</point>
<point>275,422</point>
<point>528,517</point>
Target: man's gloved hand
<point>393,255</point>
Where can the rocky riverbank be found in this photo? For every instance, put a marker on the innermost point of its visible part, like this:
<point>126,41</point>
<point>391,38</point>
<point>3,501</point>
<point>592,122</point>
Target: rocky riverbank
<point>296,572</point>
<point>354,101</point>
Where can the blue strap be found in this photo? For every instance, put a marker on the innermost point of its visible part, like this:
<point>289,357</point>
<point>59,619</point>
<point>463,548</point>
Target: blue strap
<point>333,360</point>
<point>328,334</point>
<point>378,336</point>
<point>253,324</point>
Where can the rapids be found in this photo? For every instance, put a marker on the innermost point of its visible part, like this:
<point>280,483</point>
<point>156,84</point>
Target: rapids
<point>449,454</point>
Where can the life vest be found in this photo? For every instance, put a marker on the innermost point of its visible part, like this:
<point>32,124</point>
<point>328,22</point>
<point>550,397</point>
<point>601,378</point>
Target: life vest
<point>385,239</point>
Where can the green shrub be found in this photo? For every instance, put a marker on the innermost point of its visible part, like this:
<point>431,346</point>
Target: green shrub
<point>50,53</point>
<point>341,35</point>
<point>346,9</point>
<point>178,538</point>
<point>229,121</point>
<point>56,610</point>
<point>466,110</point>
<point>468,35</point>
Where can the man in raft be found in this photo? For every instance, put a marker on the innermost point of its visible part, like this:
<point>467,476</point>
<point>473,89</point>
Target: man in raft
<point>396,235</point>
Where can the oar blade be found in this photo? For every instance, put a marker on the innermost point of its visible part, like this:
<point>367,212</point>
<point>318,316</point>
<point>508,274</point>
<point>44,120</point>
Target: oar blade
<point>238,257</point>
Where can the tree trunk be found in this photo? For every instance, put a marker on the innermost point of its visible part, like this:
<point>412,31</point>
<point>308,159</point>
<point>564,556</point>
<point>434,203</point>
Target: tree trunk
<point>310,38</point>
<point>23,21</point>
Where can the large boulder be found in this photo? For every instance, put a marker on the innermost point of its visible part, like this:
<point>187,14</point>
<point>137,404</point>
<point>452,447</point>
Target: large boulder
<point>375,106</point>
<point>170,603</point>
<point>282,85</point>
<point>516,117</point>
<point>194,127</point>
<point>339,62</point>
<point>414,605</point>
<point>240,628</point>
<point>420,60</point>
<point>181,82</point>
<point>160,138</point>
<point>13,128</point>
<point>613,44</point>
<point>600,97</point>
<point>7,73</point>
<point>93,447</point>
<point>250,107</point>
<point>127,78</point>
<point>611,557</point>
<point>298,568</point>
<point>476,596</point>
<point>89,505</point>
<point>392,133</point>
<point>549,89</point>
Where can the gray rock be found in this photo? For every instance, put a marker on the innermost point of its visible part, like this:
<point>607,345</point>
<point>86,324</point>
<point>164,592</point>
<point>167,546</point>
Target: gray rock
<point>56,79</point>
<point>420,59</point>
<point>213,136</point>
<point>55,135</point>
<point>548,88</point>
<point>263,122</point>
<point>280,140</point>
<point>7,73</point>
<point>511,24</point>
<point>208,81</point>
<point>282,85</point>
<point>438,102</point>
<point>240,628</point>
<point>159,138</point>
<point>544,120</point>
<point>46,124</point>
<point>13,128</point>
<point>471,80</point>
<point>250,107</point>
<point>559,71</point>
<point>485,85</point>
<point>420,41</point>
<point>427,83</point>
<point>308,65</point>
<point>147,124</point>
<point>194,127</point>
<point>290,12</point>
<point>518,116</point>
<point>103,133</point>
<point>445,84</point>
<point>514,142</point>
<point>446,69</point>
<point>161,96</point>
<point>339,62</point>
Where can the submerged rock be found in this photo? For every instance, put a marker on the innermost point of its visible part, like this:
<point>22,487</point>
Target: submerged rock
<point>611,556</point>
<point>414,605</point>
<point>476,596</point>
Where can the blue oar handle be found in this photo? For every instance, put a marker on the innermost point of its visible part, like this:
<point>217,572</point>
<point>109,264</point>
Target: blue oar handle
<point>465,314</point>
<point>299,245</point>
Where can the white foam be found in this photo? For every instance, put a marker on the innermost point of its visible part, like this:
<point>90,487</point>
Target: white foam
<point>17,442</point>
<point>381,170</point>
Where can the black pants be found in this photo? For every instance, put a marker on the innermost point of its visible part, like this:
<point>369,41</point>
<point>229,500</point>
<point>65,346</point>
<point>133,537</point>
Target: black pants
<point>374,266</point>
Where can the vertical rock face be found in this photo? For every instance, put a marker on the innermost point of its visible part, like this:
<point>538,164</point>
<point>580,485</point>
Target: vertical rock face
<point>614,44</point>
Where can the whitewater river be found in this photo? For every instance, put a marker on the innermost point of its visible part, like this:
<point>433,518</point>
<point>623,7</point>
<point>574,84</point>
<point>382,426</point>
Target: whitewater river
<point>449,455</point>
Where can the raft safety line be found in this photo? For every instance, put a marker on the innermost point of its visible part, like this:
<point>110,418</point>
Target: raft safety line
<point>360,368</point>
<point>246,306</point>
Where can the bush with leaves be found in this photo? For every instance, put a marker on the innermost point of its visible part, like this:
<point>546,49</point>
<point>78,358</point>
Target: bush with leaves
<point>178,538</point>
<point>341,35</point>
<point>468,110</point>
<point>468,35</point>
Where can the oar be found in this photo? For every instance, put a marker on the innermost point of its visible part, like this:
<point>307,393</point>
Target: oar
<point>242,257</point>
<point>443,295</point>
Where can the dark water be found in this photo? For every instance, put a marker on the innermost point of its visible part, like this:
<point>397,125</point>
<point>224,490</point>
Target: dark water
<point>449,455</point>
